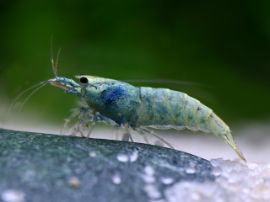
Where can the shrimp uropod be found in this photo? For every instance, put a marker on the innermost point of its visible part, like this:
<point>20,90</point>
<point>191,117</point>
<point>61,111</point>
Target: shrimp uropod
<point>121,104</point>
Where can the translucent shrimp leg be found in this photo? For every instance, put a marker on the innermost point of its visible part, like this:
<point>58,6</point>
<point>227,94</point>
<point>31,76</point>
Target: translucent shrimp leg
<point>74,114</point>
<point>93,123</point>
<point>151,132</point>
<point>140,132</point>
<point>127,135</point>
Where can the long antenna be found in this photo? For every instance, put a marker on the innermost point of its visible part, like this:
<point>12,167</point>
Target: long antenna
<point>54,66</point>
<point>22,93</point>
<point>56,62</point>
<point>32,93</point>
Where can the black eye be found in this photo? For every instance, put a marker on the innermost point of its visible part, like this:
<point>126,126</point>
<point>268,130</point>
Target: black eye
<point>83,80</point>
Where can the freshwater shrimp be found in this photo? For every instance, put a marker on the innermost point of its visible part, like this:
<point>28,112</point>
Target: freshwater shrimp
<point>121,104</point>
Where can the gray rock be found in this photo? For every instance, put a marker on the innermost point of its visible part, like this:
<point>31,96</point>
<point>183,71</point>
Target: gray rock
<point>43,167</point>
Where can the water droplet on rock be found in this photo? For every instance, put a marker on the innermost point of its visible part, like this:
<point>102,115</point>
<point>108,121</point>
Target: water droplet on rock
<point>166,180</point>
<point>190,170</point>
<point>149,170</point>
<point>116,179</point>
<point>92,154</point>
<point>134,156</point>
<point>12,195</point>
<point>152,191</point>
<point>122,157</point>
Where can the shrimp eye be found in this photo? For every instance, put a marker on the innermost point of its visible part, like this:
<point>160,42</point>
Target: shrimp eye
<point>83,80</point>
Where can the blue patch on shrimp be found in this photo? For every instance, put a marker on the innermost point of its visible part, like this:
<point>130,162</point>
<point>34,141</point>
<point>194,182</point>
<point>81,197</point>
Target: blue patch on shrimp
<point>112,94</point>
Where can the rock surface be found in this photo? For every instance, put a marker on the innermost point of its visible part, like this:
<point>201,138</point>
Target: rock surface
<point>43,167</point>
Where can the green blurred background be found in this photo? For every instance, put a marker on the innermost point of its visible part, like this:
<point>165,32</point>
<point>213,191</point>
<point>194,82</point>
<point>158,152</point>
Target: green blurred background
<point>218,50</point>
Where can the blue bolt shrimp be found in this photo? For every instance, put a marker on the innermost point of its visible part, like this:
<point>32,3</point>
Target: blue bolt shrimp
<point>121,104</point>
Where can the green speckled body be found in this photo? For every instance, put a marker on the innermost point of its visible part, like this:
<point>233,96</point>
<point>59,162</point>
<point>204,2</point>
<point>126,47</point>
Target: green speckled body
<point>165,108</point>
<point>154,107</point>
<point>119,103</point>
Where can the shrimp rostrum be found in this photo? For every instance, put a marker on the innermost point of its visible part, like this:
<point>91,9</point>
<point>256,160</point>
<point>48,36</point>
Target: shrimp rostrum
<point>141,108</point>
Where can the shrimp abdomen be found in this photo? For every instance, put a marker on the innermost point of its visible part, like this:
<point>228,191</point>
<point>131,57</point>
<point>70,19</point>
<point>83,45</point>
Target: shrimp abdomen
<point>164,108</point>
